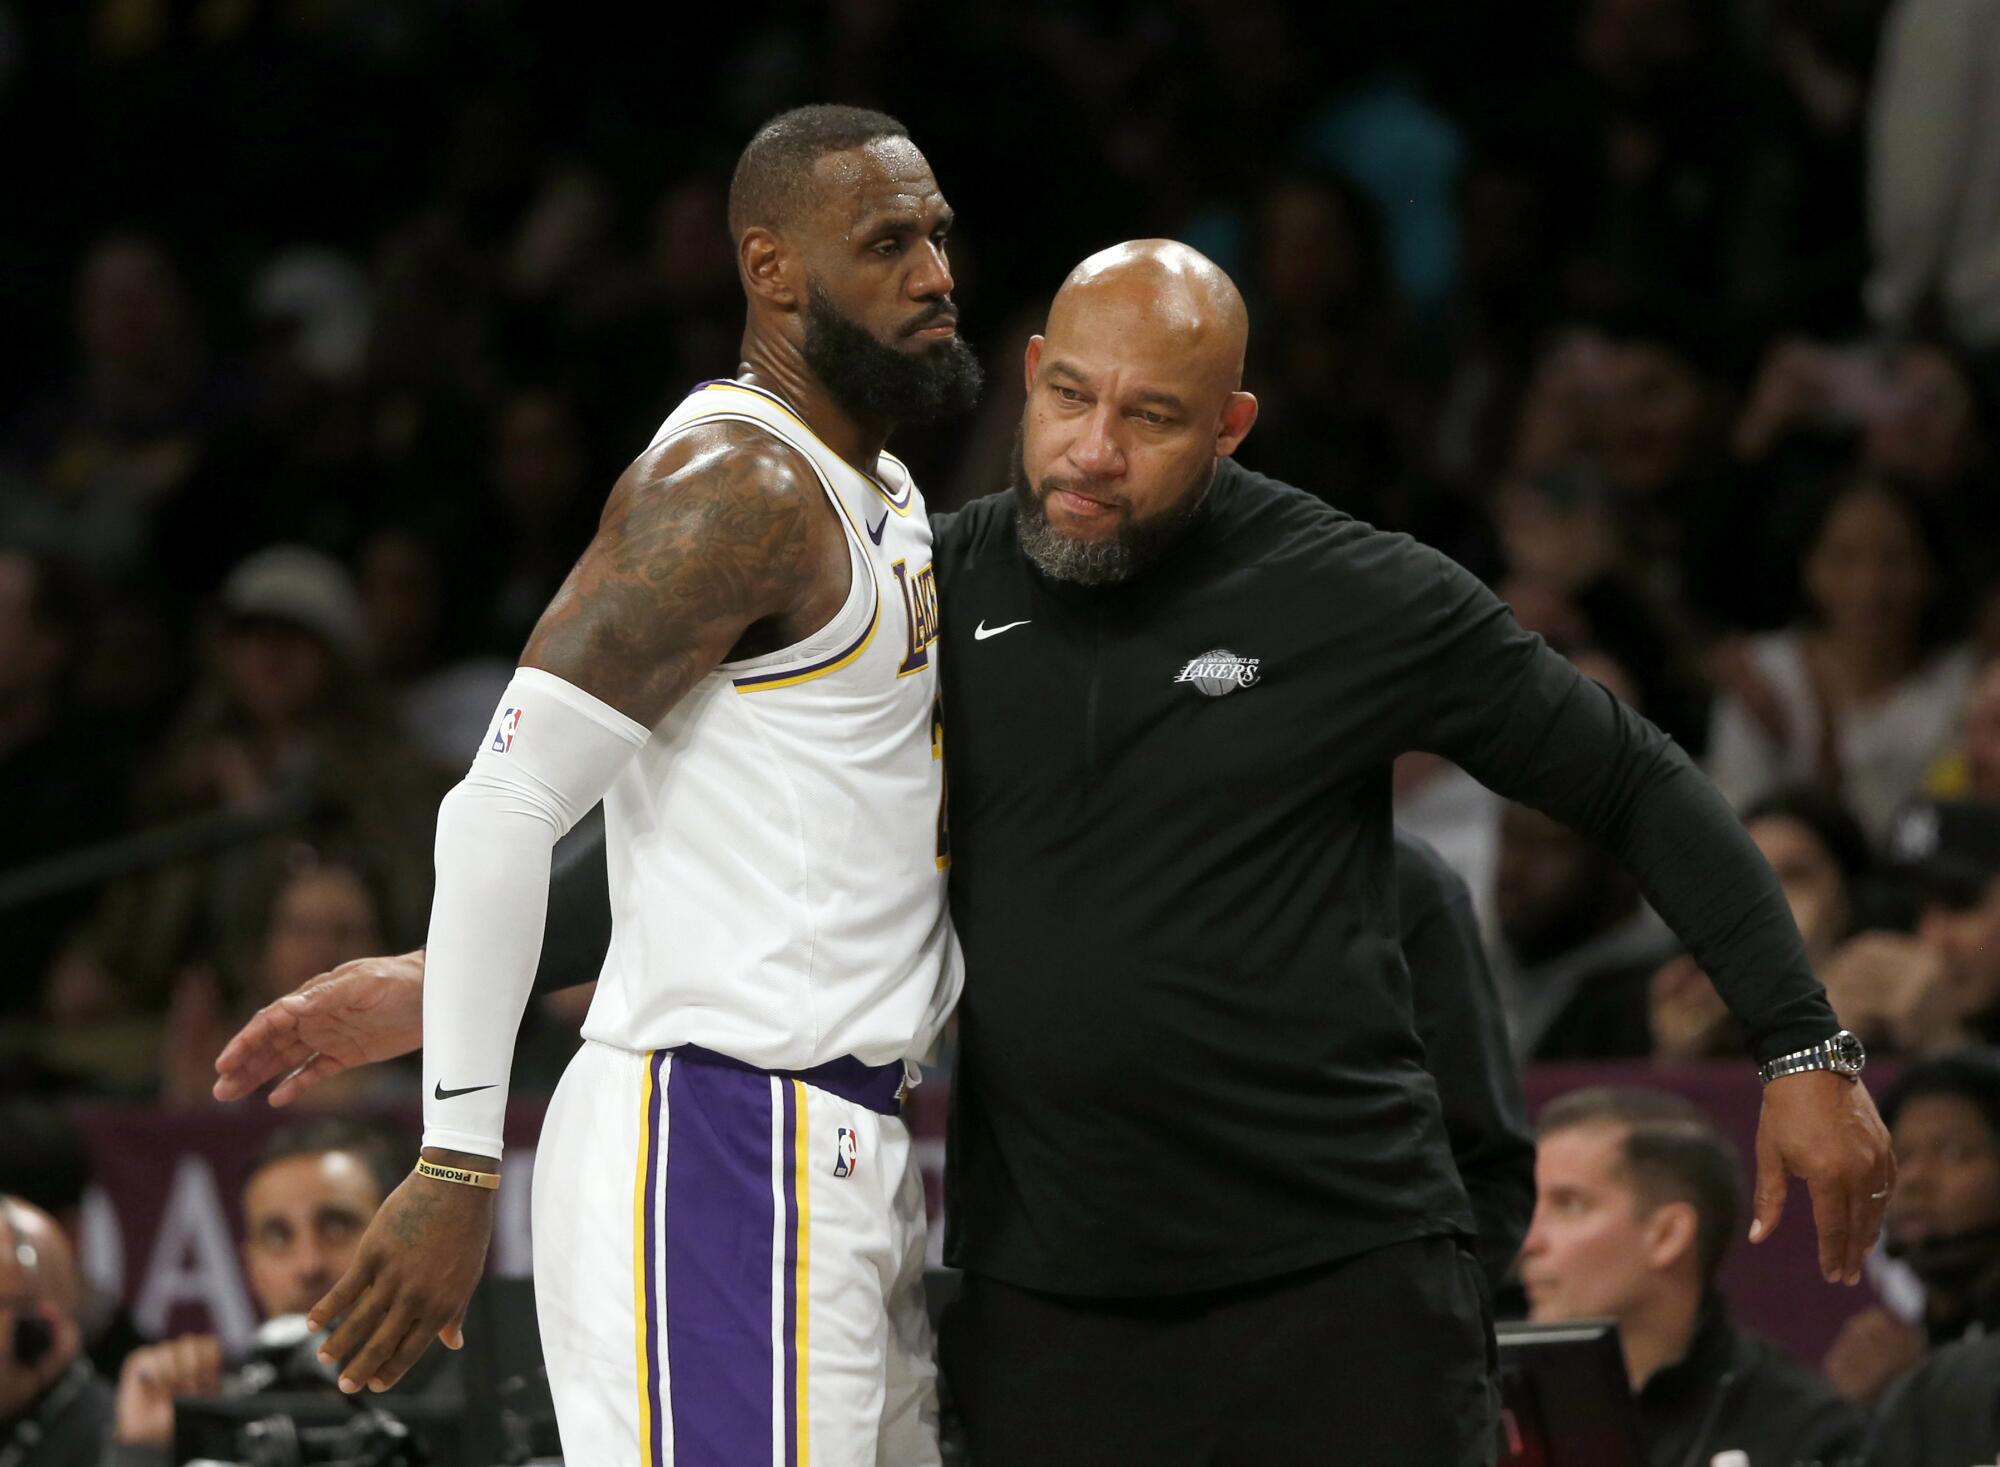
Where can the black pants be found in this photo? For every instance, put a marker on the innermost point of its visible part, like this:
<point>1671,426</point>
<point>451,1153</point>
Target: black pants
<point>1382,1360</point>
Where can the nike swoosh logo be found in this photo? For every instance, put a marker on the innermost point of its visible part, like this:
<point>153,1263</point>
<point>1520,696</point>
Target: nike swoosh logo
<point>981,632</point>
<point>875,531</point>
<point>443,1094</point>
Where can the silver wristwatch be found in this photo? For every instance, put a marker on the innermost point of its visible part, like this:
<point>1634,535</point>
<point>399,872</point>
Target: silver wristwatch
<point>1842,1054</point>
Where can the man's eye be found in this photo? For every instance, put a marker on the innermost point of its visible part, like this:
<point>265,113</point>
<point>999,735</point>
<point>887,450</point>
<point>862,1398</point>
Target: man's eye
<point>889,248</point>
<point>1153,420</point>
<point>1069,394</point>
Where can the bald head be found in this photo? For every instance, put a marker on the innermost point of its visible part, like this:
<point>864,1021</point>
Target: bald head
<point>1134,393</point>
<point>35,1258</point>
<point>1162,297</point>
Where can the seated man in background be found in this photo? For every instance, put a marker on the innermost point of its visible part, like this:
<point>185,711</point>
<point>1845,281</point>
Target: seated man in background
<point>1637,1198</point>
<point>307,1201</point>
<point>1944,1221</point>
<point>54,1407</point>
<point>1938,989</point>
<point>1945,1413</point>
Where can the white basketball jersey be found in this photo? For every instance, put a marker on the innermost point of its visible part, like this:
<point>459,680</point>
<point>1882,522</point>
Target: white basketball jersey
<point>778,847</point>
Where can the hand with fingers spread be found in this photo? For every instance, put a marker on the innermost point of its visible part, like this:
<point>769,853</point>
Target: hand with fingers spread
<point>1822,1127</point>
<point>362,1012</point>
<point>154,1377</point>
<point>411,1278</point>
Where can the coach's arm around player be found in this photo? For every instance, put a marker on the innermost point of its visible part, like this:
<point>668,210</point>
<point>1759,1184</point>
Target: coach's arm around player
<point>715,540</point>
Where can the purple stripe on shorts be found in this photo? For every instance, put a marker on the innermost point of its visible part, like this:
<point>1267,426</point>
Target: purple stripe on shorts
<point>791,1273</point>
<point>718,1284</point>
<point>658,1458</point>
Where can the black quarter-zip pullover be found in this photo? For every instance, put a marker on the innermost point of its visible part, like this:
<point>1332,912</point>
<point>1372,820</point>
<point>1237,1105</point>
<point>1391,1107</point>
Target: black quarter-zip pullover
<point>1188,1058</point>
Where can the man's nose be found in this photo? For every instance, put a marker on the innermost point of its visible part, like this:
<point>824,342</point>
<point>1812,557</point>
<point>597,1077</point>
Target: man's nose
<point>1096,452</point>
<point>931,280</point>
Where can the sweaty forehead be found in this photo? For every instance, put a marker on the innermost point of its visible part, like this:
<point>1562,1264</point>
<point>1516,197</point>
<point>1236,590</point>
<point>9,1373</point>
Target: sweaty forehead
<point>885,177</point>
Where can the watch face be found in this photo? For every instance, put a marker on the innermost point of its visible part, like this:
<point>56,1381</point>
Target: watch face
<point>1847,1053</point>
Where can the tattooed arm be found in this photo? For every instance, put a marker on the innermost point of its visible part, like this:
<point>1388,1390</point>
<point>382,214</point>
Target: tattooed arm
<point>718,545</point>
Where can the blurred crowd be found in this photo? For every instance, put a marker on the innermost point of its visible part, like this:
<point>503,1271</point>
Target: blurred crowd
<point>1678,321</point>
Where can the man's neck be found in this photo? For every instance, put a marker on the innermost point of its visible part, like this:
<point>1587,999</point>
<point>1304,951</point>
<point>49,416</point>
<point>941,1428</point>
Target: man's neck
<point>777,366</point>
<point>1657,1334</point>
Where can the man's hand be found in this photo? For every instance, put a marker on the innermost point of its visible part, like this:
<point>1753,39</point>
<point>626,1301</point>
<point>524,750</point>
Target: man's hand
<point>1822,1127</point>
<point>361,1013</point>
<point>1870,1352</point>
<point>411,1278</point>
<point>154,1376</point>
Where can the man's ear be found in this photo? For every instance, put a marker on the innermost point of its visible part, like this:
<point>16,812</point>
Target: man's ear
<point>1031,363</point>
<point>770,269</point>
<point>1671,1232</point>
<point>1239,416</point>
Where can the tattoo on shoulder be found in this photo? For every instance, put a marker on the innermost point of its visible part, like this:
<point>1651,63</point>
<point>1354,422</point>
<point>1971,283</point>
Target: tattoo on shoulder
<point>720,529</point>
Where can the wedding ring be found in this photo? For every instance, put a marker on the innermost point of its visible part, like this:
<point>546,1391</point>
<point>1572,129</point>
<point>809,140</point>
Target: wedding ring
<point>1878,1196</point>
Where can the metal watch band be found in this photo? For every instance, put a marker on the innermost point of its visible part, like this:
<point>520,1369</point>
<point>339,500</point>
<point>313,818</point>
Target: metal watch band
<point>1842,1054</point>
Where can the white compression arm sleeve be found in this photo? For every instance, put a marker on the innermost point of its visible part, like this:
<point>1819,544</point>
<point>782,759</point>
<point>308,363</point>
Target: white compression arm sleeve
<point>549,756</point>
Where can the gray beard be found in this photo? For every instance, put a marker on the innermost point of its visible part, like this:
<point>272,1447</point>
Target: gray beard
<point>1063,557</point>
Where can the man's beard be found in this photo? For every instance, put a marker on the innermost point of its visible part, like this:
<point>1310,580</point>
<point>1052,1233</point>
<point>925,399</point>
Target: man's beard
<point>1136,545</point>
<point>883,383</point>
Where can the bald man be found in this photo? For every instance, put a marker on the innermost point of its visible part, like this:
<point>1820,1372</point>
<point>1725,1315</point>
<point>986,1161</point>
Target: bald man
<point>728,1218</point>
<point>1198,1177</point>
<point>54,1410</point>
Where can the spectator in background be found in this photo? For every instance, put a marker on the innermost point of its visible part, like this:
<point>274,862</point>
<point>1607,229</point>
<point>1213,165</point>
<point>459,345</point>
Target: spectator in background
<point>53,1407</point>
<point>1944,1413</point>
<point>1944,1221</point>
<point>1328,363</point>
<point>45,1162</point>
<point>1939,988</point>
<point>1934,170</point>
<point>1562,531</point>
<point>315,912</point>
<point>1863,696</point>
<point>286,714</point>
<point>1927,432</point>
<point>133,425</point>
<point>49,755</point>
<point>1637,1200</point>
<point>1823,863</point>
<point>413,633</point>
<point>309,1197</point>
<point>1973,768</point>
<point>543,512</point>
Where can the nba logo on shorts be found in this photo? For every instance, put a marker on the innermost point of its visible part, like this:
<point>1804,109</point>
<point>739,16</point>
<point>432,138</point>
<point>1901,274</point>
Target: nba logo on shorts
<point>846,1152</point>
<point>503,735</point>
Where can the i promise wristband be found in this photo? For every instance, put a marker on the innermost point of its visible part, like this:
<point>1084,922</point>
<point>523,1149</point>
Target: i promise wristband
<point>488,1180</point>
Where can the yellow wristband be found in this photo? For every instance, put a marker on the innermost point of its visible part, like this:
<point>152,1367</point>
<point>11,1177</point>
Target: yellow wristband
<point>488,1180</point>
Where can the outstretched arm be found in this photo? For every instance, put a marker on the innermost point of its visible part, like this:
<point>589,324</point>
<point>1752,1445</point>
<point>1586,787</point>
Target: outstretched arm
<point>1525,722</point>
<point>721,531</point>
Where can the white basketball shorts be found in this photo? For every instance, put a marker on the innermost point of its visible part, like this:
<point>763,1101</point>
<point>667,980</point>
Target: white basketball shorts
<point>729,1265</point>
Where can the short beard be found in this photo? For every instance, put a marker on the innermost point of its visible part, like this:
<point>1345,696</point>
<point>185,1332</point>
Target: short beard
<point>1137,544</point>
<point>882,383</point>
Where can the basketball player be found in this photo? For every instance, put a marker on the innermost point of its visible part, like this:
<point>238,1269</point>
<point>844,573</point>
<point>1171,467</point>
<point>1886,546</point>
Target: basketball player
<point>728,1221</point>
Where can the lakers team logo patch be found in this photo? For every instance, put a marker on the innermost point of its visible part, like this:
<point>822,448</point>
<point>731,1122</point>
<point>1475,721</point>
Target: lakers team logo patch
<point>1220,671</point>
<point>846,1152</point>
